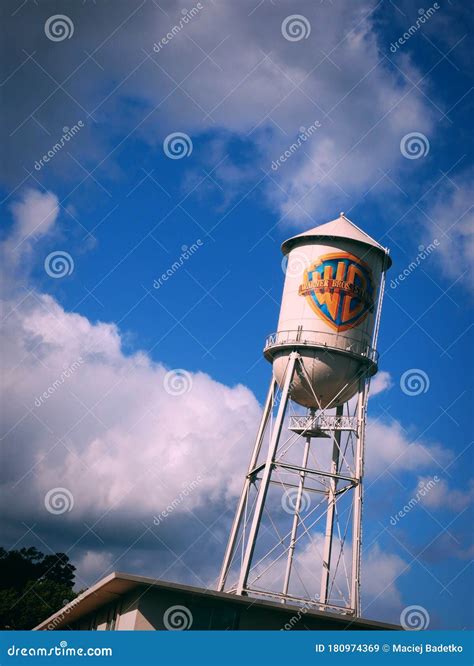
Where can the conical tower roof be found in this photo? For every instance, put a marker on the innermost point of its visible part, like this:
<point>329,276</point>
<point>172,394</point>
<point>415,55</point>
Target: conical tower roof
<point>341,227</point>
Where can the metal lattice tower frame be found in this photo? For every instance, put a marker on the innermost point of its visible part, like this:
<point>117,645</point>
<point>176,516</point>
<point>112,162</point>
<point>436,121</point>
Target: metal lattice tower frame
<point>338,480</point>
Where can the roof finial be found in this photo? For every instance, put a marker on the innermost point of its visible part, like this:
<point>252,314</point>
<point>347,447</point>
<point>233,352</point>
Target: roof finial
<point>341,215</point>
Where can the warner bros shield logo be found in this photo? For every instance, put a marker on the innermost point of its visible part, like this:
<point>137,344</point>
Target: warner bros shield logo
<point>340,289</point>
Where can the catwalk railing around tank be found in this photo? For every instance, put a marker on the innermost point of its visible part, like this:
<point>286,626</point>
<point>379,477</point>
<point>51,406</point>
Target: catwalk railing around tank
<point>324,340</point>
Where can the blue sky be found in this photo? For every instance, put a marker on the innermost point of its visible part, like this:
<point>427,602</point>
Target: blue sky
<point>123,210</point>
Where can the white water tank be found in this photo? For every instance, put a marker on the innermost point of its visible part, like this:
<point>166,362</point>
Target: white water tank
<point>328,310</point>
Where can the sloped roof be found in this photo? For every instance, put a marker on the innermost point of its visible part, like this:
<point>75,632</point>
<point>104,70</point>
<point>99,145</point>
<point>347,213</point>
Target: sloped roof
<point>117,584</point>
<point>341,227</point>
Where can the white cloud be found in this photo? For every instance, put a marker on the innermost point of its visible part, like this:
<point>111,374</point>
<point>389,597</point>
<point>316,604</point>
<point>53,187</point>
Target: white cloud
<point>35,215</point>
<point>441,496</point>
<point>110,432</point>
<point>92,566</point>
<point>80,414</point>
<point>379,574</point>
<point>381,382</point>
<point>230,73</point>
<point>390,448</point>
<point>269,89</point>
<point>450,219</point>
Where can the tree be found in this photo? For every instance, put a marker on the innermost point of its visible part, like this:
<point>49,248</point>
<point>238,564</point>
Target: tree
<point>33,586</point>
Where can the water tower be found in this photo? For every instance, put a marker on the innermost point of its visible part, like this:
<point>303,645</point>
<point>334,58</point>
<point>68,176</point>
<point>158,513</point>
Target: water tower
<point>296,535</point>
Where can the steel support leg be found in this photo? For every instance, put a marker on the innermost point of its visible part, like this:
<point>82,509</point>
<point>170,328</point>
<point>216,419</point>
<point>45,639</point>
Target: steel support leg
<point>267,471</point>
<point>357,516</point>
<point>327,551</point>
<point>229,553</point>
<point>296,516</point>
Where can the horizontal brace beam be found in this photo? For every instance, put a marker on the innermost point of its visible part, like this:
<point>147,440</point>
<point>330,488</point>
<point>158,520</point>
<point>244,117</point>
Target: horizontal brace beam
<point>255,470</point>
<point>345,488</point>
<point>305,470</point>
<point>294,485</point>
<point>317,472</point>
